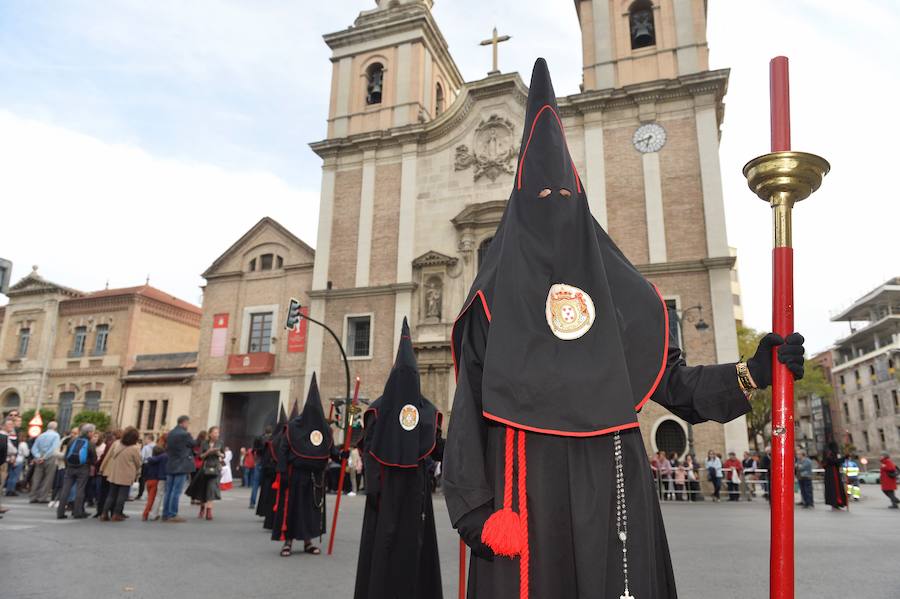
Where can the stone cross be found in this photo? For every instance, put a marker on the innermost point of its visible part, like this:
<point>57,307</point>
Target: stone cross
<point>493,41</point>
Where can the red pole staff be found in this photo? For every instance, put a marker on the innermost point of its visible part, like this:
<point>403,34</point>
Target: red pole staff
<point>781,478</point>
<point>783,178</point>
<point>340,489</point>
<point>462,569</point>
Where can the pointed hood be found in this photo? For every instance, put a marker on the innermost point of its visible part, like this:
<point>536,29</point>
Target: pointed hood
<point>578,337</point>
<point>403,430</point>
<point>309,434</point>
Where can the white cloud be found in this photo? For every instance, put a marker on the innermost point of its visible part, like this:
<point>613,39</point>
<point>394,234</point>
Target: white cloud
<point>88,211</point>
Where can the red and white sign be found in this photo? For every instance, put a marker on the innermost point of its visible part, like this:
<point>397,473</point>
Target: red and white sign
<point>219,336</point>
<point>297,336</point>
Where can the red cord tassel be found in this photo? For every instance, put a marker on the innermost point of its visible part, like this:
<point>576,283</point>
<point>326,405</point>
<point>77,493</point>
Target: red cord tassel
<point>287,493</point>
<point>502,532</point>
<point>523,517</point>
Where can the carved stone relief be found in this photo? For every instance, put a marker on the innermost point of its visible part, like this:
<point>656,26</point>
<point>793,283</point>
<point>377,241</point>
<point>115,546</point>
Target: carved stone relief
<point>493,150</point>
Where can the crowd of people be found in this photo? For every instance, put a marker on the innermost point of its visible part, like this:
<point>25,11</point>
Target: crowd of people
<point>679,479</point>
<point>88,469</point>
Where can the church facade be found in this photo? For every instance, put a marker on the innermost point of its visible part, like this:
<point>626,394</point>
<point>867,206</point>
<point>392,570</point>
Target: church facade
<point>418,165</point>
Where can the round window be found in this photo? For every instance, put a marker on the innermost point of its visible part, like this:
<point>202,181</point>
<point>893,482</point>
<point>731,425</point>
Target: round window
<point>670,438</point>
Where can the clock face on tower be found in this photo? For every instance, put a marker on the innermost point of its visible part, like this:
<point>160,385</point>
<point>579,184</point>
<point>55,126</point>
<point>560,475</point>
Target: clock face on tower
<point>650,137</point>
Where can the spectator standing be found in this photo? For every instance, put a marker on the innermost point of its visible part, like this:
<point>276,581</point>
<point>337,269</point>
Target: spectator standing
<point>60,456</point>
<point>665,475</point>
<point>122,467</point>
<point>733,470</point>
<point>180,448</point>
<point>714,472</point>
<point>765,464</point>
<point>99,482</point>
<point>155,475</point>
<point>749,465</point>
<point>680,481</point>
<point>42,453</point>
<point>17,453</point>
<point>835,492</point>
<point>693,484</point>
<point>354,464</point>
<point>804,470</point>
<point>888,475</point>
<point>146,453</point>
<point>80,456</point>
<point>204,488</point>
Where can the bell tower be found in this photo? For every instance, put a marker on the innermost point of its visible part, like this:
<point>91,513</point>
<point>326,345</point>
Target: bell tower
<point>650,112</point>
<point>625,42</point>
<point>391,68</point>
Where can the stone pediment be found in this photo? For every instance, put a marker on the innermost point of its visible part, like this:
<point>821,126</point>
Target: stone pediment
<point>35,284</point>
<point>432,258</point>
<point>267,230</point>
<point>480,214</point>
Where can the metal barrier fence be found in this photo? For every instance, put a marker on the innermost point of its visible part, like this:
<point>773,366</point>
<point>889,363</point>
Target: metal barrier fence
<point>681,484</point>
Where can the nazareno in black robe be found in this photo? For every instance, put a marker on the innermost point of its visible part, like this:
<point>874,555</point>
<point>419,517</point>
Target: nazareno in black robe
<point>398,554</point>
<point>268,466</point>
<point>559,345</point>
<point>835,487</point>
<point>303,453</point>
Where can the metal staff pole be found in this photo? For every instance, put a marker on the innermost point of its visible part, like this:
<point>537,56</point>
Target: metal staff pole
<point>782,178</point>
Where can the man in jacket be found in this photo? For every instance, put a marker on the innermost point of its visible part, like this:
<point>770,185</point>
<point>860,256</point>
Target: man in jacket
<point>80,456</point>
<point>805,479</point>
<point>180,448</point>
<point>43,451</point>
<point>888,476</point>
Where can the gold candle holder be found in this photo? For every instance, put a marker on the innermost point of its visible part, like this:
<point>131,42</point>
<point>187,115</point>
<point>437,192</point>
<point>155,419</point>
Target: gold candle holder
<point>783,179</point>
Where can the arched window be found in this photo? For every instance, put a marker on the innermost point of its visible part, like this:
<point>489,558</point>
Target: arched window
<point>640,23</point>
<point>483,249</point>
<point>670,438</point>
<point>438,99</point>
<point>374,83</point>
<point>11,402</point>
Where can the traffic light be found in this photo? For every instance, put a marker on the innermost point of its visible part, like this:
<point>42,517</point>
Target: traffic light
<point>293,315</point>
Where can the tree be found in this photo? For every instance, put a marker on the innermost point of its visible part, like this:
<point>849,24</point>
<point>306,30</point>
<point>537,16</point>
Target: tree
<point>759,419</point>
<point>46,415</point>
<point>99,419</point>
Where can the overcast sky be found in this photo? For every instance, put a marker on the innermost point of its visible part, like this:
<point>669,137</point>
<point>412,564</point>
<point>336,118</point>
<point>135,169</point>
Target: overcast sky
<point>142,138</point>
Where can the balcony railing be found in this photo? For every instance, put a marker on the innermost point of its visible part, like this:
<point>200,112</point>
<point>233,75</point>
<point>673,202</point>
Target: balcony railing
<point>252,363</point>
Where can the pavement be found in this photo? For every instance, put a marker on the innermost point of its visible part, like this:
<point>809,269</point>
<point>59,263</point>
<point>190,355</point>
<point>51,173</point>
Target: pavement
<point>717,550</point>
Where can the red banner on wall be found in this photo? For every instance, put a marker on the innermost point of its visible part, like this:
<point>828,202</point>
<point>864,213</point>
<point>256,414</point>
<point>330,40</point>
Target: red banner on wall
<point>297,337</point>
<point>219,335</point>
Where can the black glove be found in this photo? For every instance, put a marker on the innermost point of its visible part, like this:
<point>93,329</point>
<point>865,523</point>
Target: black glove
<point>345,453</point>
<point>790,353</point>
<point>469,529</point>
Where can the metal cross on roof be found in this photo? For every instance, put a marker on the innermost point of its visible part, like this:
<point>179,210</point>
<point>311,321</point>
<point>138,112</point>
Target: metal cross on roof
<point>493,41</point>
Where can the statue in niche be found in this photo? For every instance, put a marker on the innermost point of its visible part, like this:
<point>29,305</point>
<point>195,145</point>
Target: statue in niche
<point>433,296</point>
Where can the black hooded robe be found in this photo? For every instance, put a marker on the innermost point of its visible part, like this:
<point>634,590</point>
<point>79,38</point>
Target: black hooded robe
<point>398,552</point>
<point>574,552</point>
<point>527,383</point>
<point>835,487</point>
<point>303,452</point>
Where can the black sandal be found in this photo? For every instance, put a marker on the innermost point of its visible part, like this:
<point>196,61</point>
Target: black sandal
<point>311,549</point>
<point>286,550</point>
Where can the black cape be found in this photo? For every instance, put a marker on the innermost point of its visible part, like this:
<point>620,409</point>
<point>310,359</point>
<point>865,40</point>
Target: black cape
<point>572,548</point>
<point>268,466</point>
<point>398,555</point>
<point>303,453</point>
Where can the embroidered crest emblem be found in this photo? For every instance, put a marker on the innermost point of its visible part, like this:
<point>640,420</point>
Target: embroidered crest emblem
<point>570,311</point>
<point>316,438</point>
<point>409,417</point>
